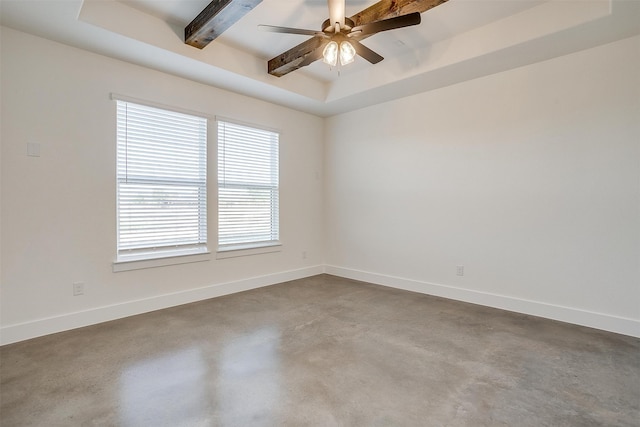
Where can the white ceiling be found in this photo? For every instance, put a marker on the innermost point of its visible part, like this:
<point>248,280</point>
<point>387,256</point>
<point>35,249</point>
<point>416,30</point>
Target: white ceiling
<point>456,41</point>
<point>438,24</point>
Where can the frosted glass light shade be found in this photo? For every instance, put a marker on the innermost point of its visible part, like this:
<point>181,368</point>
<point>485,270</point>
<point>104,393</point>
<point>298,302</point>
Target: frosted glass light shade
<point>347,53</point>
<point>330,54</point>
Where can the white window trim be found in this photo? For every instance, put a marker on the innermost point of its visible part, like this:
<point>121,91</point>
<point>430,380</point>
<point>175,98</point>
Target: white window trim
<point>125,98</point>
<point>252,248</point>
<point>152,259</point>
<point>234,251</point>
<point>249,124</point>
<point>169,259</point>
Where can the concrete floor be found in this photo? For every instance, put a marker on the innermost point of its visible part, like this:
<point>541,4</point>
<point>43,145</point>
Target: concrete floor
<point>323,351</point>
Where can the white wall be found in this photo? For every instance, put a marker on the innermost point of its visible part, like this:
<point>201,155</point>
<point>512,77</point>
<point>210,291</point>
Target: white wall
<point>58,210</point>
<point>529,178</point>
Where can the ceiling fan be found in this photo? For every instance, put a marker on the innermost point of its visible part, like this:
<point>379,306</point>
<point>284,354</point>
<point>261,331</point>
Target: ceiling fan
<point>339,38</point>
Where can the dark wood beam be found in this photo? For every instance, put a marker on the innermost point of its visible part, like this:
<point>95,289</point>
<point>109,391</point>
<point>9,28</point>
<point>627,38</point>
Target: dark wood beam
<point>386,9</point>
<point>290,60</point>
<point>215,19</point>
<point>293,59</point>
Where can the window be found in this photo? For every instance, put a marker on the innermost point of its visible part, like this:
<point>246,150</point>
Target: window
<point>162,183</point>
<point>248,207</point>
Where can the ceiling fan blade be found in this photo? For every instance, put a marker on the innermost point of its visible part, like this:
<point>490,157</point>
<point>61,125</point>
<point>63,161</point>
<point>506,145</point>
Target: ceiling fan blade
<point>365,52</point>
<point>287,30</point>
<point>387,24</point>
<point>336,11</point>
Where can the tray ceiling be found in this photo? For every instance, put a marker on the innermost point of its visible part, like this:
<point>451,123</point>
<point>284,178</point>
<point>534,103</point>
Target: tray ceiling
<point>456,41</point>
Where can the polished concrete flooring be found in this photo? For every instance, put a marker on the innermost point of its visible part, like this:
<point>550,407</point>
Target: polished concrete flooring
<point>323,351</point>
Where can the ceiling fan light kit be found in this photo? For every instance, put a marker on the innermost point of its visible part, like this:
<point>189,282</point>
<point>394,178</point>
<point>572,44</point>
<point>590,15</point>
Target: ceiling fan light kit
<point>344,51</point>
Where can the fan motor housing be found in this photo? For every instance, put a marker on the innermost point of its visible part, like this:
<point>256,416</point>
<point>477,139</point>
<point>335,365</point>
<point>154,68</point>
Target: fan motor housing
<point>327,27</point>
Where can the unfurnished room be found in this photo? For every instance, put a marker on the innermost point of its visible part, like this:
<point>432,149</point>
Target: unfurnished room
<point>320,213</point>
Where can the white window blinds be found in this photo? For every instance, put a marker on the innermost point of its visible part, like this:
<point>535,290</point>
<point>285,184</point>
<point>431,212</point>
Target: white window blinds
<point>248,206</point>
<point>162,182</point>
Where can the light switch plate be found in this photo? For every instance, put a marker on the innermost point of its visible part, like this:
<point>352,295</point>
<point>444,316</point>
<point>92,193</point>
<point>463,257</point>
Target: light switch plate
<point>33,149</point>
<point>78,289</point>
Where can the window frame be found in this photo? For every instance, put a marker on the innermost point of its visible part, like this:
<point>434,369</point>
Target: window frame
<point>155,257</point>
<point>247,248</point>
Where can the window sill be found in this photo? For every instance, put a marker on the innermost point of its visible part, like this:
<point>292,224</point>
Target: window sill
<point>168,259</point>
<point>239,251</point>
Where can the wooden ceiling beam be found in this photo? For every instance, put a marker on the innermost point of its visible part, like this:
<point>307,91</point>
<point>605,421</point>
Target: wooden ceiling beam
<point>215,19</point>
<point>290,60</point>
<point>386,9</point>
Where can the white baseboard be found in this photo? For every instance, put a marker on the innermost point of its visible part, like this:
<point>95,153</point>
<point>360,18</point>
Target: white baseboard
<point>24,331</point>
<point>605,322</point>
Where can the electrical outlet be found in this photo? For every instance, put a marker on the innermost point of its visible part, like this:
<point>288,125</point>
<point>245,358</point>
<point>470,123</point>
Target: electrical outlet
<point>78,289</point>
<point>460,270</point>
